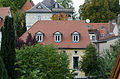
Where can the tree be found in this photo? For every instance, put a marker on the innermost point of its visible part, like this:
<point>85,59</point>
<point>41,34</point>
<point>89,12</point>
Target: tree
<point>42,62</point>
<point>66,3</point>
<point>8,46</point>
<point>98,11</point>
<point>89,63</point>
<point>61,16</point>
<point>19,22</point>
<point>30,40</point>
<point>3,72</point>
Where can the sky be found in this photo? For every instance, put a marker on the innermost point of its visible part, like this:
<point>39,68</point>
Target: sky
<point>76,3</point>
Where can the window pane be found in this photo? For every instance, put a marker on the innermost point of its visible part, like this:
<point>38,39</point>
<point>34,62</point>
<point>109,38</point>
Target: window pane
<point>75,62</point>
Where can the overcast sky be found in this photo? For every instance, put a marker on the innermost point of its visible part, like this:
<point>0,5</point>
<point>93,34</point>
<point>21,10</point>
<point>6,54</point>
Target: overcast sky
<point>77,3</point>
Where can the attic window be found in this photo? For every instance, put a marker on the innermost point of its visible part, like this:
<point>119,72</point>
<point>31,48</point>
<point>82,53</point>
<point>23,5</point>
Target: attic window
<point>57,37</point>
<point>75,37</point>
<point>56,5</point>
<point>39,7</point>
<point>1,18</point>
<point>39,36</point>
<point>88,26</point>
<point>103,27</point>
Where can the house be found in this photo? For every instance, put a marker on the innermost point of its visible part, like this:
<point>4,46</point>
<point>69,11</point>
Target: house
<point>28,5</point>
<point>70,37</point>
<point>103,35</point>
<point>115,74</point>
<point>4,11</point>
<point>44,11</point>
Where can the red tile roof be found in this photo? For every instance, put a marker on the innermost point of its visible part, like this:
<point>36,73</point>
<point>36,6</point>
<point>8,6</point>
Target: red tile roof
<point>65,27</point>
<point>108,28</point>
<point>28,5</point>
<point>4,11</point>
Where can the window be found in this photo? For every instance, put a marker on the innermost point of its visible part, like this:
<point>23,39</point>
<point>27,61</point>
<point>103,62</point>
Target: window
<point>39,17</point>
<point>75,37</point>
<point>56,5</point>
<point>102,35</point>
<point>39,36</point>
<point>76,52</point>
<point>88,26</point>
<point>64,51</point>
<point>57,37</point>
<point>75,63</point>
<point>93,38</point>
<point>103,27</point>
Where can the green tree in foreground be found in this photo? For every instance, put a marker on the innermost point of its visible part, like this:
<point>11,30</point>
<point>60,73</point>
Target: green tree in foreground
<point>89,63</point>
<point>3,72</point>
<point>42,62</point>
<point>8,46</point>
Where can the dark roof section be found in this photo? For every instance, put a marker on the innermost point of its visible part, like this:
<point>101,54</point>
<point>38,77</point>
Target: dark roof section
<point>48,6</point>
<point>39,8</point>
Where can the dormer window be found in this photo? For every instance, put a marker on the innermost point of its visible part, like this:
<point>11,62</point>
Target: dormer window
<point>39,36</point>
<point>103,27</point>
<point>56,5</point>
<point>57,37</point>
<point>1,18</point>
<point>75,37</point>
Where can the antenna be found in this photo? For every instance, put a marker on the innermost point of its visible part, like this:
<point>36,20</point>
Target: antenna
<point>87,21</point>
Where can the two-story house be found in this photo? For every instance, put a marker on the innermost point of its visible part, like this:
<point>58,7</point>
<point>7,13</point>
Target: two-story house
<point>4,11</point>
<point>70,37</point>
<point>44,11</point>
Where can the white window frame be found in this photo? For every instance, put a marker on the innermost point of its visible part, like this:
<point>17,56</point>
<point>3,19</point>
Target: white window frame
<point>75,37</point>
<point>57,37</point>
<point>40,36</point>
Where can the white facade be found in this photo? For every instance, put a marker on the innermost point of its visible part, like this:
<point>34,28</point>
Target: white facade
<point>32,18</point>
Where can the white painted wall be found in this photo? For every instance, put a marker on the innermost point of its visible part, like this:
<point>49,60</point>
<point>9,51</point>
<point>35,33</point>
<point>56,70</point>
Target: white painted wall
<point>32,18</point>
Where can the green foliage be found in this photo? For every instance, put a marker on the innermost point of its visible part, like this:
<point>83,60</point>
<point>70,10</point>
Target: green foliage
<point>3,72</point>
<point>14,4</point>
<point>19,22</point>
<point>89,63</point>
<point>42,62</point>
<point>99,11</point>
<point>66,3</point>
<point>8,46</point>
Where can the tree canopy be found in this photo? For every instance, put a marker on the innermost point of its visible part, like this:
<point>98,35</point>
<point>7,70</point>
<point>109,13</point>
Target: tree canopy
<point>99,11</point>
<point>42,62</point>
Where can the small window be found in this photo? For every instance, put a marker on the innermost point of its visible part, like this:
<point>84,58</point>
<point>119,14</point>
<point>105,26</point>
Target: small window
<point>64,51</point>
<point>76,52</point>
<point>39,7</point>
<point>39,17</point>
<point>76,74</point>
<point>57,37</point>
<point>75,37</point>
<point>93,38</point>
<point>39,36</point>
<point>102,35</point>
<point>75,63</point>
<point>103,27</point>
<point>56,5</point>
<point>88,26</point>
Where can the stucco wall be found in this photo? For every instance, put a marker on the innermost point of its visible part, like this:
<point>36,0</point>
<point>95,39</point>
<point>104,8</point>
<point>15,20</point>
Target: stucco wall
<point>107,45</point>
<point>71,54</point>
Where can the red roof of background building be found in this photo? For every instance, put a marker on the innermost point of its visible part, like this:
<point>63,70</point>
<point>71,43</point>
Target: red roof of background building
<point>65,27</point>
<point>28,5</point>
<point>108,28</point>
<point>4,11</point>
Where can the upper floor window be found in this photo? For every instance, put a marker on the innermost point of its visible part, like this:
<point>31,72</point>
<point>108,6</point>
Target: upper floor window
<point>39,36</point>
<point>57,37</point>
<point>75,37</point>
<point>102,35</point>
<point>56,5</point>
<point>103,27</point>
<point>88,26</point>
<point>1,18</point>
